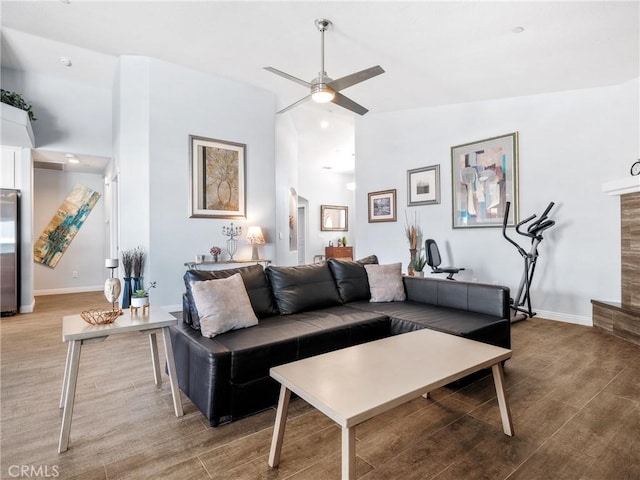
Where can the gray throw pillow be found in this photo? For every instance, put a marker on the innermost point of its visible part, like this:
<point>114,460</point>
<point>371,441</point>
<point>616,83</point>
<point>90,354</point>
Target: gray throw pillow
<point>385,282</point>
<point>223,305</point>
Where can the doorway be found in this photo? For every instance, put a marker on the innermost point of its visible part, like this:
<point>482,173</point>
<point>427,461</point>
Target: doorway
<point>303,203</point>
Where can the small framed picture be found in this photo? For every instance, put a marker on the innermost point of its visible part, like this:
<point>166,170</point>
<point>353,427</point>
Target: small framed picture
<point>382,206</point>
<point>423,186</point>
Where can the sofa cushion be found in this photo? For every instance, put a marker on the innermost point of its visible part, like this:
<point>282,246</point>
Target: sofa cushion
<point>272,342</point>
<point>223,305</point>
<point>409,316</point>
<point>303,287</point>
<point>255,281</point>
<point>351,278</point>
<point>385,282</point>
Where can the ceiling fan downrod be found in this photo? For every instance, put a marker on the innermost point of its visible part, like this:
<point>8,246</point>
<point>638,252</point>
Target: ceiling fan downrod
<point>320,92</point>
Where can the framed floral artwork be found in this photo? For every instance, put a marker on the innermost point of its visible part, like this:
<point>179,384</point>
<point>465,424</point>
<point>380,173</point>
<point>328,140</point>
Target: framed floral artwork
<point>217,178</point>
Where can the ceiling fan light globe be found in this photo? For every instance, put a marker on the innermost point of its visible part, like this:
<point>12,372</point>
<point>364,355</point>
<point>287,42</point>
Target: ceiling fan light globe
<point>322,94</point>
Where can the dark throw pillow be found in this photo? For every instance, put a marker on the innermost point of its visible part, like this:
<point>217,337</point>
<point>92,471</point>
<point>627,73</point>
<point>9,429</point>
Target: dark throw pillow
<point>351,278</point>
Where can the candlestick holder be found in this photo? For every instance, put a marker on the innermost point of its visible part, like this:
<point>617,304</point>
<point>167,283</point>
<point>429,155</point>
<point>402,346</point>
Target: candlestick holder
<point>232,243</point>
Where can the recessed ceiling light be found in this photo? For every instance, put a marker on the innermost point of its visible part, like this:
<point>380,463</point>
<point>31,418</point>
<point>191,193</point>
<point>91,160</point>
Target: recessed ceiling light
<point>65,61</point>
<point>73,160</point>
<point>517,29</point>
<point>324,124</point>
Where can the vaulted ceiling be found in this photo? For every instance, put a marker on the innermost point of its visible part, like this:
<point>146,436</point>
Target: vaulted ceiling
<point>434,53</point>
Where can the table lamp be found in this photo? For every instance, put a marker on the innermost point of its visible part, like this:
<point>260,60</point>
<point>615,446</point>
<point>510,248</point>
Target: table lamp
<point>112,286</point>
<point>255,238</point>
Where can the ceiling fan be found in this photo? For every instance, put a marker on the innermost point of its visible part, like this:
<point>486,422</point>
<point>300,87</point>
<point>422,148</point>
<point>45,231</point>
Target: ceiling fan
<point>323,88</point>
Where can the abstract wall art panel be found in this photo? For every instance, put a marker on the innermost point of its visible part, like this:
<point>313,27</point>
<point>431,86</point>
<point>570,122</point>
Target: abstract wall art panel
<point>64,225</point>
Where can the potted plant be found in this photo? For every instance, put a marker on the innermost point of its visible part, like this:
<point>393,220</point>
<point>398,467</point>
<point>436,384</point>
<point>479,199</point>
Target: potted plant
<point>140,298</point>
<point>418,265</point>
<point>15,100</point>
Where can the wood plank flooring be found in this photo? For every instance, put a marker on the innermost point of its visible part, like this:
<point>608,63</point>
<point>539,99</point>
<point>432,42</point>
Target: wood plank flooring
<point>574,394</point>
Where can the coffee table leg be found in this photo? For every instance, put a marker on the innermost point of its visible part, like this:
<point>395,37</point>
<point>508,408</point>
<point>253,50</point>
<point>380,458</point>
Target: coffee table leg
<point>69,394</point>
<point>278,429</point>
<point>173,376</point>
<point>155,360</point>
<point>348,453</point>
<point>505,413</point>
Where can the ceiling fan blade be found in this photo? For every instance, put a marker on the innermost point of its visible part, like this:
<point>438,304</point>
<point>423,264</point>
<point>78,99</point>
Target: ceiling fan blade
<point>299,102</point>
<point>287,76</point>
<point>349,80</point>
<point>349,104</point>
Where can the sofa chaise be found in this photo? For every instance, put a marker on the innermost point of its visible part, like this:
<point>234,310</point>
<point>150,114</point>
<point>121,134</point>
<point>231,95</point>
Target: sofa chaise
<point>312,309</point>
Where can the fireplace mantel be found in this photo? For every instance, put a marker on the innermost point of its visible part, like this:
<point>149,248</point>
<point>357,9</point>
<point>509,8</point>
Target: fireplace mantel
<point>622,186</point>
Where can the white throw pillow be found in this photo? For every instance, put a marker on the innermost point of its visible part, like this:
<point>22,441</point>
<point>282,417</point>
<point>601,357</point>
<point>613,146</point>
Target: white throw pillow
<point>223,305</point>
<point>385,282</point>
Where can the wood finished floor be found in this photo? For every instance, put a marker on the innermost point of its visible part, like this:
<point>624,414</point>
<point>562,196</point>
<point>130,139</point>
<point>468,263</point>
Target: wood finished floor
<point>574,395</point>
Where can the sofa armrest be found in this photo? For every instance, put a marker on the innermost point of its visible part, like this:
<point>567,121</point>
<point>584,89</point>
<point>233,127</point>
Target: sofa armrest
<point>472,297</point>
<point>203,367</point>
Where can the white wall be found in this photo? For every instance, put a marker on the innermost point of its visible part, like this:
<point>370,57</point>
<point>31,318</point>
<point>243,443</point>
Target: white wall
<point>71,117</point>
<point>286,165</point>
<point>570,144</point>
<point>87,250</point>
<point>178,102</point>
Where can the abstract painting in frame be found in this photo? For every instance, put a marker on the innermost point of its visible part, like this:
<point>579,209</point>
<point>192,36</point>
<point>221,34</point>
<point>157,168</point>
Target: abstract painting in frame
<point>217,178</point>
<point>65,224</point>
<point>382,206</point>
<point>423,186</point>
<point>484,177</point>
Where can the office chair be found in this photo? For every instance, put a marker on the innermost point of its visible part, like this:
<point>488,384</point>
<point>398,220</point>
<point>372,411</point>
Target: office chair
<point>434,260</point>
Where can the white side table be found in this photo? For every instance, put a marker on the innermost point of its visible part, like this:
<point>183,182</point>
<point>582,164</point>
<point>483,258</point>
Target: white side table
<point>77,332</point>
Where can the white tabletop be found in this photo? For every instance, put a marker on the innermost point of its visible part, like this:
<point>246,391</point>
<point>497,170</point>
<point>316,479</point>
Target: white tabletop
<point>356,383</point>
<point>75,328</point>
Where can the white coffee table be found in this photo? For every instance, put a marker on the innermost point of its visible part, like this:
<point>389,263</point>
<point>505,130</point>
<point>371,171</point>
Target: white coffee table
<point>77,333</point>
<point>357,383</point>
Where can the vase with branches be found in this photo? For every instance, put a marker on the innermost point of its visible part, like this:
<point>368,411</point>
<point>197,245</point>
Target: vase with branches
<point>127,266</point>
<point>413,233</point>
<point>138,267</point>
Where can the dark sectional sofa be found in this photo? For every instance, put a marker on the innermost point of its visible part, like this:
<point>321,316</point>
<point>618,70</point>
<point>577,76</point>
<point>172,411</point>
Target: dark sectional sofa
<point>312,309</point>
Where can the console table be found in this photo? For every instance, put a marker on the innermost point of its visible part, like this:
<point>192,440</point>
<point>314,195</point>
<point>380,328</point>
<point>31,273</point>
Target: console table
<point>211,265</point>
<point>341,253</point>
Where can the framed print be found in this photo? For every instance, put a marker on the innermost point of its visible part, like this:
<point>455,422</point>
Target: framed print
<point>217,178</point>
<point>334,218</point>
<point>423,186</point>
<point>484,177</point>
<point>382,206</point>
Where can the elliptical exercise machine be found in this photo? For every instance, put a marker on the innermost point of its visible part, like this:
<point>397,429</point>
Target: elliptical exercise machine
<point>534,232</point>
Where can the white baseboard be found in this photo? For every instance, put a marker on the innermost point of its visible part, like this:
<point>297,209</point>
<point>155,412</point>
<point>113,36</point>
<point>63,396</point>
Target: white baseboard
<point>28,308</point>
<point>565,317</point>
<point>58,291</point>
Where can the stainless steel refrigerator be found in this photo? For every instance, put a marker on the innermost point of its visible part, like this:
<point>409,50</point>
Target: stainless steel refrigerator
<point>9,251</point>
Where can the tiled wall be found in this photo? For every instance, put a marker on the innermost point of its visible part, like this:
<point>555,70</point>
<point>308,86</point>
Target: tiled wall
<point>630,247</point>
